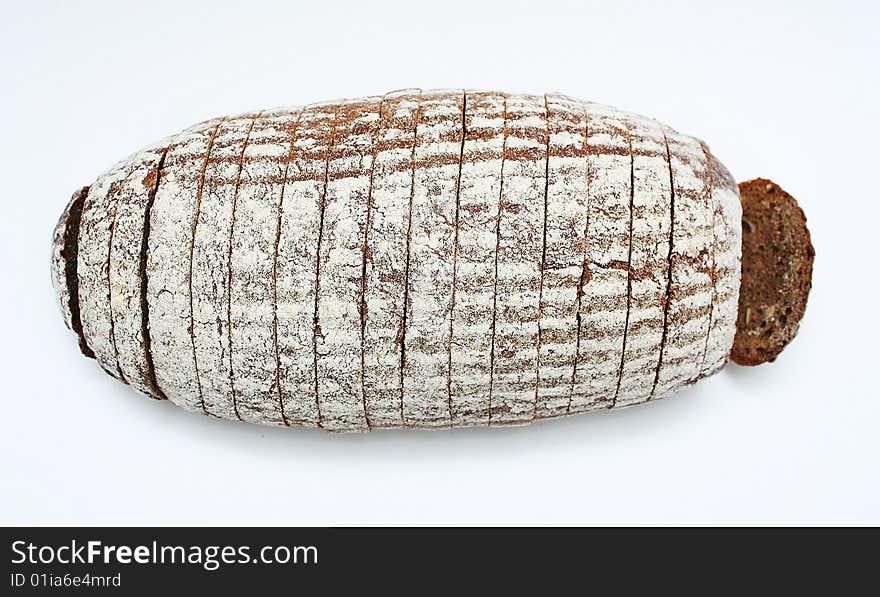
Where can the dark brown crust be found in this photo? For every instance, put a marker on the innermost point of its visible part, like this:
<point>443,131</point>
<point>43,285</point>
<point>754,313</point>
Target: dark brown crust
<point>69,254</point>
<point>777,271</point>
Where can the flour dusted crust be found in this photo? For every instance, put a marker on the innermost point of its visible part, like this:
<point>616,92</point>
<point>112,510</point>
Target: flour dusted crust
<point>727,217</point>
<point>209,275</point>
<point>472,316</point>
<point>93,260</point>
<point>296,262</point>
<point>690,308</point>
<point>385,258</point>
<point>604,294</point>
<point>251,266</point>
<point>648,270</point>
<point>518,261</point>
<point>338,341</point>
<point>430,275</point>
<point>59,265</point>
<point>564,252</point>
<point>423,259</point>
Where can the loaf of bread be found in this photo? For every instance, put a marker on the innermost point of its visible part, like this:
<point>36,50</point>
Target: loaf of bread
<point>424,259</point>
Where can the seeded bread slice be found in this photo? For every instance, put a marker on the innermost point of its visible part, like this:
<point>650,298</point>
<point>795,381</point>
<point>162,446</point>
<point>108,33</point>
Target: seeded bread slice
<point>777,270</point>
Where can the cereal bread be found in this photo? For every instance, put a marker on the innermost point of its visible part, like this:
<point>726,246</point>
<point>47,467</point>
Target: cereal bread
<point>777,272</point>
<point>427,259</point>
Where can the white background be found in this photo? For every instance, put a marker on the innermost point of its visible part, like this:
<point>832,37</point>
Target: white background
<point>789,93</point>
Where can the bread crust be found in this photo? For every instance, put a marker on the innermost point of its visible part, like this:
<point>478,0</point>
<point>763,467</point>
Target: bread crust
<point>603,305</point>
<point>691,285</point>
<point>63,265</point>
<point>649,263</point>
<point>296,261</point>
<point>479,190</point>
<point>564,251</point>
<point>385,272</point>
<point>518,261</point>
<point>252,266</point>
<point>430,274</point>
<point>423,259</point>
<point>338,359</point>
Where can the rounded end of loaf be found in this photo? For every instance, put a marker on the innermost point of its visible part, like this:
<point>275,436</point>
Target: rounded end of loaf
<point>777,271</point>
<point>63,266</point>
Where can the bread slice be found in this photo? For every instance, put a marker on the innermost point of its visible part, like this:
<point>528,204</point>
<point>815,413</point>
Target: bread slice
<point>430,273</point>
<point>649,261</point>
<point>93,256</point>
<point>297,236</point>
<point>726,265</point>
<point>603,302</point>
<point>95,241</point>
<point>64,256</point>
<point>518,262</point>
<point>125,275</point>
<point>777,270</point>
<point>338,359</point>
<point>565,246</point>
<point>479,189</point>
<point>384,283</point>
<point>251,267</point>
<point>207,275</point>
<point>691,291</point>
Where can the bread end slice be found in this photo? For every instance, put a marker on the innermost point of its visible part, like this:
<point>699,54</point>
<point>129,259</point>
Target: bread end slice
<point>777,270</point>
<point>68,247</point>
